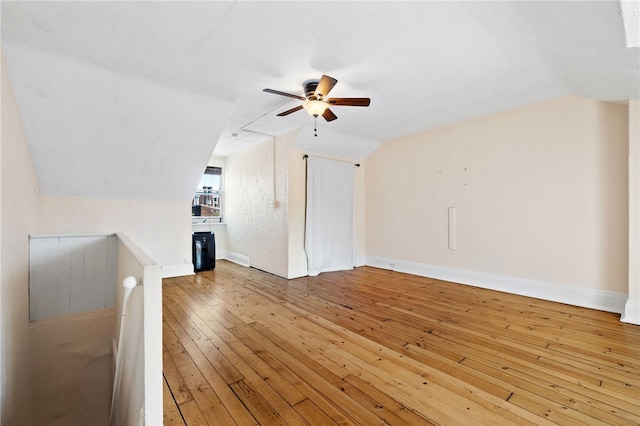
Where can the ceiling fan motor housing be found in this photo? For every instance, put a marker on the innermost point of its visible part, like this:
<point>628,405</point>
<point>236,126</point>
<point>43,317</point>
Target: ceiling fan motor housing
<point>310,88</point>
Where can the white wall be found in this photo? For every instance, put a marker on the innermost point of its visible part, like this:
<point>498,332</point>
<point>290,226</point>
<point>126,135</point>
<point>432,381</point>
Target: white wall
<point>632,307</point>
<point>161,228</point>
<point>271,238</point>
<point>97,132</point>
<point>71,274</point>
<point>256,205</point>
<point>540,194</point>
<point>359,214</point>
<point>19,218</point>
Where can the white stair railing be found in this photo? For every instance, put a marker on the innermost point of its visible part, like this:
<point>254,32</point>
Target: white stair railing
<point>123,327</point>
<point>137,342</point>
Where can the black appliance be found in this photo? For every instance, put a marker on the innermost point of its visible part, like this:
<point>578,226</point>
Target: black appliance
<point>204,251</point>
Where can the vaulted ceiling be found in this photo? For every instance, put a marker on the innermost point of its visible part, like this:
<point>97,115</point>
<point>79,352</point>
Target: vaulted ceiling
<point>129,99</point>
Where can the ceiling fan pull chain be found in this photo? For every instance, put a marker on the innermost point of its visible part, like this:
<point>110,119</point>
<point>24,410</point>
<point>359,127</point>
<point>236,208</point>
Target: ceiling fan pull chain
<point>315,126</point>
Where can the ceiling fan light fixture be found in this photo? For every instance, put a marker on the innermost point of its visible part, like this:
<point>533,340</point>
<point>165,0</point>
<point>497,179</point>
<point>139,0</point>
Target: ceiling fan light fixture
<point>315,108</point>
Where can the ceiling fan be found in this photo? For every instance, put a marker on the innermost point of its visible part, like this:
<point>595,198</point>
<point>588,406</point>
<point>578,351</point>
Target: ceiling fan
<point>316,101</point>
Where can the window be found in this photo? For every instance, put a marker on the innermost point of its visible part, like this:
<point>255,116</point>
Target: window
<point>207,201</point>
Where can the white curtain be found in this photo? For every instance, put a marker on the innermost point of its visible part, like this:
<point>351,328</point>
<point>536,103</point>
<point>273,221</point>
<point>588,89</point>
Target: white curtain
<point>329,228</point>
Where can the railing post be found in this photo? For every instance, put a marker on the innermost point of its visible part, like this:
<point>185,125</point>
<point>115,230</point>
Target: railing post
<point>129,283</point>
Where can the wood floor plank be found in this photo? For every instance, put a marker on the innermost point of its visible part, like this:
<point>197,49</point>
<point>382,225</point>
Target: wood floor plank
<point>376,347</point>
<point>325,383</point>
<point>276,365</point>
<point>619,361</point>
<point>371,354</point>
<point>487,383</point>
<point>268,374</point>
<point>192,415</point>
<point>586,340</point>
<point>212,394</point>
<point>257,383</point>
<point>257,405</point>
<point>593,367</point>
<point>624,391</point>
<point>171,413</point>
<point>179,388</point>
<point>192,322</point>
<point>293,365</point>
<point>385,407</point>
<point>313,414</point>
<point>552,411</point>
<point>556,398</point>
<point>208,404</point>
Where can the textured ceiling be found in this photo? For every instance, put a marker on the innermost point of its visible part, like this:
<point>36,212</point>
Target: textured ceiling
<point>128,99</point>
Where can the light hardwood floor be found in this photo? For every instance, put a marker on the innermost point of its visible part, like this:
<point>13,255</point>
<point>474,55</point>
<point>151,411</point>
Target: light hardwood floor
<point>375,347</point>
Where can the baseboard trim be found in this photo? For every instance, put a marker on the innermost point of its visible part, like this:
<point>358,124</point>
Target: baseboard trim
<point>602,300</point>
<point>631,312</point>
<point>170,271</point>
<point>240,259</point>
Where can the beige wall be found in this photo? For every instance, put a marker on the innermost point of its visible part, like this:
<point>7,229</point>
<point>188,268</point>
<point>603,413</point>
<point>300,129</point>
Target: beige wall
<point>19,218</point>
<point>162,229</point>
<point>540,193</point>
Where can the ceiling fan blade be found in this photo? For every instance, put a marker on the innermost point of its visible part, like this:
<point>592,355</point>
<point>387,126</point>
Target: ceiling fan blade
<point>350,101</point>
<point>289,111</point>
<point>324,86</point>
<point>289,95</point>
<point>329,115</point>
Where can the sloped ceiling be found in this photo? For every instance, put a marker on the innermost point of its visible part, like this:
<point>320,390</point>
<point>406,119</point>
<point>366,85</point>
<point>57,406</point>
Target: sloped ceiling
<point>129,99</point>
